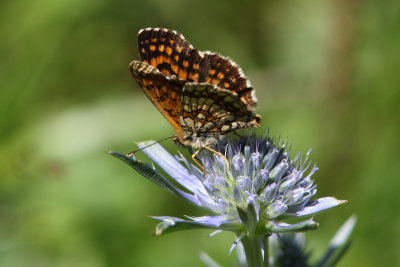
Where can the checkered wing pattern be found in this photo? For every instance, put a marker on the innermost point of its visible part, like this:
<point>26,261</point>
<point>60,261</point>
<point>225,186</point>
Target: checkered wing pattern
<point>169,52</point>
<point>207,108</point>
<point>202,94</point>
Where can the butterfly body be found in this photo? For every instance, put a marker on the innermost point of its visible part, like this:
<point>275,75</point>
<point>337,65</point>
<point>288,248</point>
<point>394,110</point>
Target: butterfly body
<point>202,95</point>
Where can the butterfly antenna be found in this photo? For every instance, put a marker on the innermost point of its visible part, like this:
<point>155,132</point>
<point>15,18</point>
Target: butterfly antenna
<point>130,154</point>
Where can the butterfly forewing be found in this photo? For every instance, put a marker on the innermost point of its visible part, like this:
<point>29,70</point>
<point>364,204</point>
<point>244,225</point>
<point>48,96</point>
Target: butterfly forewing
<point>170,53</point>
<point>226,74</point>
<point>163,91</point>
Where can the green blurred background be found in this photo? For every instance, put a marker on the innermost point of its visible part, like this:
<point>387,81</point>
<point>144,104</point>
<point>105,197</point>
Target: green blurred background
<point>326,75</point>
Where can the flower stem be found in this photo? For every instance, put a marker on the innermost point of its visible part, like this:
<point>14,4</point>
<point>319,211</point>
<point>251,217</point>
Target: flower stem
<point>266,251</point>
<point>252,249</point>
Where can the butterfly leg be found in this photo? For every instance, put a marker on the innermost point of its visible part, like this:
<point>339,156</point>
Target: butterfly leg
<point>219,154</point>
<point>212,150</point>
<point>194,159</point>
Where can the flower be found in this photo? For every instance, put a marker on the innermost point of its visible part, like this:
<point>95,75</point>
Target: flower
<point>252,196</point>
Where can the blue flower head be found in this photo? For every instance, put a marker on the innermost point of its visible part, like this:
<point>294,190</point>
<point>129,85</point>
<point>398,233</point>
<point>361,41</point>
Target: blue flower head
<point>260,189</point>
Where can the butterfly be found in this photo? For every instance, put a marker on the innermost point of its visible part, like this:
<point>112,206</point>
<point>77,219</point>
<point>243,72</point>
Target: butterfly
<point>203,95</point>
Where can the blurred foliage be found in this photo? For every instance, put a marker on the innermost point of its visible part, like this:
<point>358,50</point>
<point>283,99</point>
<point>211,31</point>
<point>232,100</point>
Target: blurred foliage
<point>326,75</point>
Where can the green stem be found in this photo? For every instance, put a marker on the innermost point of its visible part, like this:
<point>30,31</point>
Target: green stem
<point>252,250</point>
<point>266,251</point>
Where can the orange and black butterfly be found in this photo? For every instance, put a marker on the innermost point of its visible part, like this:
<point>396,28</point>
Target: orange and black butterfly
<point>202,95</point>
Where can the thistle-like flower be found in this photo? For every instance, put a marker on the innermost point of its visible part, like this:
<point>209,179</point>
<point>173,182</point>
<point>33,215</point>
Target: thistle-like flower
<point>253,197</point>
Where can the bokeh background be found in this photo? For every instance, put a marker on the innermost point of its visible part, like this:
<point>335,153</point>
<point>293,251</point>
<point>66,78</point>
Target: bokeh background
<point>327,75</point>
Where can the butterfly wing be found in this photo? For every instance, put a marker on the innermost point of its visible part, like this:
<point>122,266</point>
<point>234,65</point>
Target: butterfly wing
<point>207,108</point>
<point>164,91</point>
<point>172,54</point>
<point>226,74</point>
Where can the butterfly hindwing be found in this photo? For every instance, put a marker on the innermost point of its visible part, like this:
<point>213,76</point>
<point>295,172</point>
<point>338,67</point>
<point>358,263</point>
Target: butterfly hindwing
<point>207,108</point>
